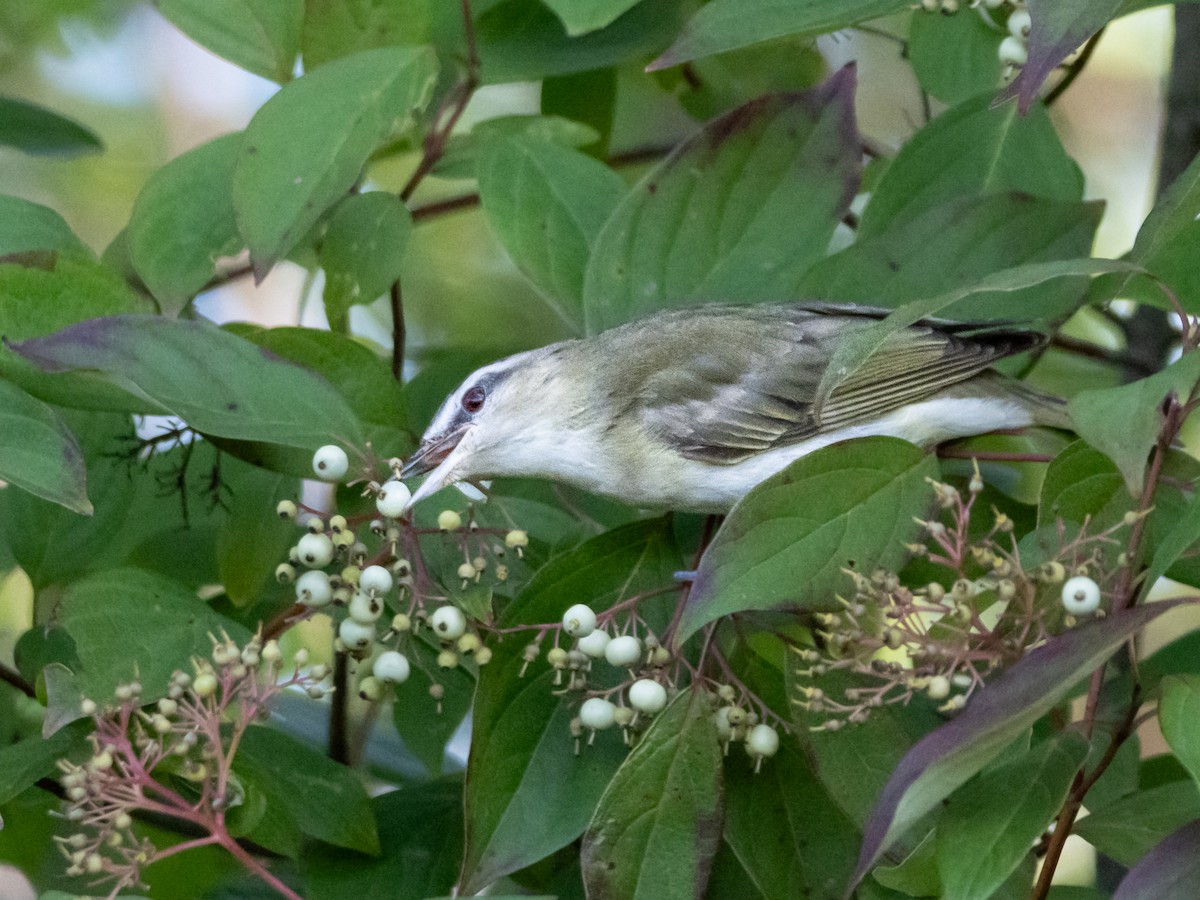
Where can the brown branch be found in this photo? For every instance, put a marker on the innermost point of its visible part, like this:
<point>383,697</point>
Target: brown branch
<point>399,331</point>
<point>13,677</point>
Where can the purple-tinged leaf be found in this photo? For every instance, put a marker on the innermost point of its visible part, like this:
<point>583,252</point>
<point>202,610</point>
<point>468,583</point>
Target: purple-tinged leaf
<point>947,757</point>
<point>1056,29</point>
<point>1171,871</point>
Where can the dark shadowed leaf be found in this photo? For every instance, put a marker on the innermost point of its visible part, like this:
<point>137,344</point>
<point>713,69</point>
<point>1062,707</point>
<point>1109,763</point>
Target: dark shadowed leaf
<point>739,211</point>
<point>949,756</point>
<point>43,132</point>
<point>954,57</point>
<point>658,824</point>
<point>215,381</point>
<point>581,16</point>
<point>1171,871</point>
<point>249,543</point>
<point>260,36</point>
<point>182,222</point>
<point>1129,828</point>
<point>728,24</point>
<point>38,452</point>
<point>306,146</point>
<point>987,828</point>
<point>1181,534</point>
<point>1179,716</point>
<point>786,542</point>
<point>363,252</point>
<point>27,761</point>
<point>973,149</point>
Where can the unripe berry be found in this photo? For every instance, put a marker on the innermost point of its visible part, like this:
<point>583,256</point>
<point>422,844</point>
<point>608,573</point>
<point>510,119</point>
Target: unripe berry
<point>1081,596</point>
<point>330,462</point>
<point>516,540</point>
<point>597,714</point>
<point>579,621</point>
<point>391,667</point>
<point>623,651</point>
<point>483,656</point>
<point>370,689</point>
<point>356,635</point>
<point>401,623</point>
<point>448,623</point>
<point>557,657</point>
<point>466,571</point>
<point>313,589</point>
<point>393,498</point>
<point>763,741</point>
<point>595,643</point>
<point>365,608</point>
<point>449,520</point>
<point>468,643</point>
<point>647,696</point>
<point>285,509</point>
<point>447,659</point>
<point>87,707</point>
<point>205,684</point>
<point>285,573</point>
<point>939,687</point>
<point>315,550</point>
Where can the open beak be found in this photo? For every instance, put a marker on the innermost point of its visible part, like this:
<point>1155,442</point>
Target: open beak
<point>435,456</point>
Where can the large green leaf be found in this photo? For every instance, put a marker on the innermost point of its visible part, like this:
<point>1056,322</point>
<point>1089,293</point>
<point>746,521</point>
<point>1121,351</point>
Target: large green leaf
<point>362,252</point>
<point>38,452</point>
<point>43,132</point>
<point>1137,407</point>
<point>1130,827</point>
<point>973,149</point>
<point>528,794</point>
<point>424,724</point>
<point>1181,534</point>
<point>954,57</point>
<point>1179,717</point>
<point>182,222</point>
<point>949,756</point>
<point>337,28</point>
<point>260,36</point>
<point>728,24</point>
<point>215,381</point>
<point>1082,485</point>
<point>787,541</point>
<point>326,800</point>
<point>581,16</point>
<point>250,544</point>
<point>26,227</point>
<point>25,762</point>
<point>306,147</point>
<point>739,211</point>
<point>1171,871</point>
<point>987,828</point>
<point>547,203</point>
<point>420,839</point>
<point>658,824</point>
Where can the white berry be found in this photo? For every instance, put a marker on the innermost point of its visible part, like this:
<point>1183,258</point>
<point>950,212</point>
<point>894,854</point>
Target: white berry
<point>647,696</point>
<point>1012,51</point>
<point>516,539</point>
<point>449,520</point>
<point>313,589</point>
<point>579,621</point>
<point>1019,22</point>
<point>375,578</point>
<point>595,643</point>
<point>448,622</point>
<point>315,550</point>
<point>330,462</point>
<point>393,498</point>
<point>356,635</point>
<point>623,651</point>
<point>939,687</point>
<point>365,608</point>
<point>597,714</point>
<point>391,667</point>
<point>762,741</point>
<point>1080,596</point>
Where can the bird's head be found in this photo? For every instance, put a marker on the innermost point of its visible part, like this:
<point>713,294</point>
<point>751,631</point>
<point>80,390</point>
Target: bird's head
<point>492,423</point>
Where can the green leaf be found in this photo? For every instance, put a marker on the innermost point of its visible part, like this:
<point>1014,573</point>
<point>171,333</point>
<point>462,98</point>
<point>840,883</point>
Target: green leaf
<point>38,452</point>
<point>958,242</point>
<point>22,764</point>
<point>950,755</point>
<point>522,40</point>
<point>1181,535</point>
<point>1082,485</point>
<point>786,543</point>
<point>128,622</point>
<point>916,875</point>
<point>260,36</point>
<point>581,16</point>
<point>528,794</point>
<point>739,211</point>
<point>26,227</point>
<point>954,57</point>
<point>363,252</point>
<point>1179,716</point>
<point>461,159</point>
<point>42,132</point>
<point>326,800</point>
<point>1128,829</point>
<point>251,542</point>
<point>547,203</point>
<point>215,381</point>
<point>728,24</point>
<point>306,147</point>
<point>769,818</point>
<point>658,824</point>
<point>987,828</point>
<point>337,28</point>
<point>424,724</point>
<point>1171,871</point>
<point>182,222</point>
<point>1137,407</point>
<point>973,149</point>
<point>420,839</point>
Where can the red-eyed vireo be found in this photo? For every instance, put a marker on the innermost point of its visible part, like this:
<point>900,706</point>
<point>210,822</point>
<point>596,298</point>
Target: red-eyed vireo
<point>691,408</point>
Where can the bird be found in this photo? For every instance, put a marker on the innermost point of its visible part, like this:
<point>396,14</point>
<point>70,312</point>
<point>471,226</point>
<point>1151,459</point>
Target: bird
<point>688,409</point>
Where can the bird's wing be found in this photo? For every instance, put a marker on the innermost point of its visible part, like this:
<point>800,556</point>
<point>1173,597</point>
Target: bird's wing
<point>748,385</point>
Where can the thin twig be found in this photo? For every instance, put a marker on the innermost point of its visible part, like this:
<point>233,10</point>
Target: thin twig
<point>13,677</point>
<point>1073,70</point>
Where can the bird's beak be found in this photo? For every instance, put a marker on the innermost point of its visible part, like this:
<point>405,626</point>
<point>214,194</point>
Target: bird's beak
<point>433,456</point>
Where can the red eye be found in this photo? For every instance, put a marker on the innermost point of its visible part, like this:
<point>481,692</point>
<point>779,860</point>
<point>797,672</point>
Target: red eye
<point>472,400</point>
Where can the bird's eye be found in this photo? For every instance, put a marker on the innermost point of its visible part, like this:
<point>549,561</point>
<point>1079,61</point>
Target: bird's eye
<point>472,400</point>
